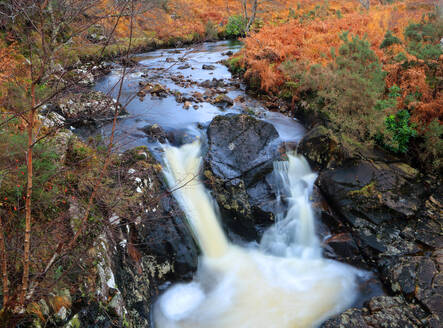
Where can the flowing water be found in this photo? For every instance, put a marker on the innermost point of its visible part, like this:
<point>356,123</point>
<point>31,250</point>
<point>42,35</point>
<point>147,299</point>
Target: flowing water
<point>163,67</point>
<point>285,283</point>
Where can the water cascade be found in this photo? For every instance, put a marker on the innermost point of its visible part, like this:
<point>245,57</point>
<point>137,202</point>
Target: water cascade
<point>283,283</point>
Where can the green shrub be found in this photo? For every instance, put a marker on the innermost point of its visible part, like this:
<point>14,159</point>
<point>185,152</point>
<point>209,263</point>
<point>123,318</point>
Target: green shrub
<point>389,40</point>
<point>234,65</point>
<point>431,152</point>
<point>423,39</point>
<point>346,92</point>
<point>398,132</point>
<point>236,26</point>
<point>46,180</point>
<point>391,101</point>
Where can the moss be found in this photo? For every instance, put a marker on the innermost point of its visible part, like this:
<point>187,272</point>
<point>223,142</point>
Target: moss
<point>235,64</point>
<point>366,191</point>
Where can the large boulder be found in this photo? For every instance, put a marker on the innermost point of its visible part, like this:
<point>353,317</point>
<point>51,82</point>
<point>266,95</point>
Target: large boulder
<point>238,164</point>
<point>375,191</point>
<point>319,146</point>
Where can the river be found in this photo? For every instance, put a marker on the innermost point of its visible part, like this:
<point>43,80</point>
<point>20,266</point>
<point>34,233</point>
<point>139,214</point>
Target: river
<point>283,281</point>
<point>163,67</point>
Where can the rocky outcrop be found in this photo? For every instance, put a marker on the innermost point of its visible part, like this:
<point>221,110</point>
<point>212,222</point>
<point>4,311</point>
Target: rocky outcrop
<point>319,146</point>
<point>383,311</point>
<point>237,169</point>
<point>153,244</point>
<point>93,107</point>
<point>387,218</point>
<point>375,191</point>
<point>146,245</point>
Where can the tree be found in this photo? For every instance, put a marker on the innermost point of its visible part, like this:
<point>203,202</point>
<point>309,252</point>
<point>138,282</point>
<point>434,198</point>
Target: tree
<point>249,17</point>
<point>43,29</point>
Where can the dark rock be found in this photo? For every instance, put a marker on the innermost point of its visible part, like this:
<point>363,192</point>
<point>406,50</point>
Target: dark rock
<point>238,163</point>
<point>214,83</point>
<point>344,247</point>
<point>208,67</point>
<point>147,244</point>
<point>319,146</point>
<point>227,53</point>
<point>152,243</point>
<point>374,191</point>
<point>382,311</point>
<point>93,316</point>
<point>170,60</point>
<point>155,133</point>
<point>185,66</point>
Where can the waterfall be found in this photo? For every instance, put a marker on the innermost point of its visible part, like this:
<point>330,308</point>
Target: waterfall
<point>283,283</point>
<point>182,174</point>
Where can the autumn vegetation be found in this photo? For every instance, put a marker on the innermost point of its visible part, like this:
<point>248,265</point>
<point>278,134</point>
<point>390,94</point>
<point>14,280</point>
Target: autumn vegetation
<point>371,71</point>
<point>374,74</point>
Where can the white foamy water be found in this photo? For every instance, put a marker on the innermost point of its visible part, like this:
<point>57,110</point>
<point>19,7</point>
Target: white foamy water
<point>285,283</point>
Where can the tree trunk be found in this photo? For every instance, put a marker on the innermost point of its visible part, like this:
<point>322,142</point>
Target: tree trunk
<point>3,258</point>
<point>27,245</point>
<point>365,3</point>
<point>245,9</point>
<point>253,14</point>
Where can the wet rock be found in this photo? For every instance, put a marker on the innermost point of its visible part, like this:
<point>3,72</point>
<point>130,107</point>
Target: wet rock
<point>208,67</point>
<point>198,97</point>
<point>151,244</point>
<point>344,248</point>
<point>185,66</point>
<point>82,76</point>
<point>396,226</point>
<point>159,90</point>
<point>214,83</point>
<point>382,311</point>
<point>93,107</point>
<point>223,101</point>
<point>237,168</point>
<point>141,93</point>
<point>240,99</point>
<point>319,146</point>
<point>374,191</point>
<point>92,316</point>
<point>52,120</point>
<point>155,133</point>
<point>187,105</point>
<point>227,53</point>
